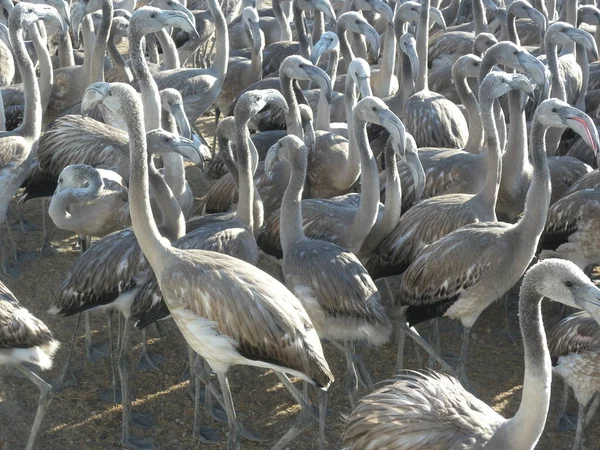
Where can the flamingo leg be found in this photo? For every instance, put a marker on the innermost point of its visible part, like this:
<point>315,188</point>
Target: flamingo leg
<point>93,352</point>
<point>60,383</point>
<point>202,432</point>
<point>565,420</point>
<point>148,360</point>
<point>44,401</point>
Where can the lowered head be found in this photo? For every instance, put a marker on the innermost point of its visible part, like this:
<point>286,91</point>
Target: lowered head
<point>359,71</point>
<point>374,110</point>
<point>328,42</point>
<point>299,68</point>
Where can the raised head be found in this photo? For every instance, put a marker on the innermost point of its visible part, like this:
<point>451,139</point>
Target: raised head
<point>173,5</point>
<point>588,14</point>
<point>161,141</point>
<point>517,58</point>
<point>467,66</point>
<point>556,113</point>
<point>327,43</point>
<point>483,42</point>
<point>374,110</point>
<point>408,45</point>
<point>251,103</point>
<point>290,149</point>
<point>378,6</point>
<point>524,10</point>
<point>563,33</point>
<point>172,102</point>
<point>562,281</point>
<point>149,19</point>
<point>355,22</point>
<point>360,73</point>
<point>299,68</point>
<point>26,14</point>
<point>498,83</point>
<point>318,5</point>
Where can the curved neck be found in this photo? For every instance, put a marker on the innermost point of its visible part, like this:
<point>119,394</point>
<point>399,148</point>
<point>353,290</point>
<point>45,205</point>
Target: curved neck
<point>31,127</point>
<point>301,31</point>
<point>538,196</point>
<point>558,85</point>
<point>170,55</point>
<point>89,42</point>
<point>119,62</point>
<point>525,428</point>
<point>406,82</point>
<point>511,26</point>
<point>469,101</point>
<point>479,17</point>
<point>65,50</point>
<point>393,192</point>
<point>174,168</point>
<point>256,60</point>
<point>60,203</point>
<point>489,192</point>
<point>345,50</point>
<point>292,119</point>
<point>332,64</point>
<point>46,71</point>
<point>154,247</point>
<point>387,62</point>
<point>350,100</point>
<point>422,46</point>
<point>290,229</point>
<point>284,25</point>
<point>246,185</point>
<point>148,87</point>
<point>323,112</point>
<point>221,39</point>
<point>318,26</point>
<point>582,60</point>
<point>515,159</point>
<point>570,7</point>
<point>97,64</point>
<point>366,215</point>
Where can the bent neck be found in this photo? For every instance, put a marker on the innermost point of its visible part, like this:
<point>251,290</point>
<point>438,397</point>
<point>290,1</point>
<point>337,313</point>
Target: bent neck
<point>345,50</point>
<point>246,185</point>
<point>46,71</point>
<point>284,26</point>
<point>148,87</point>
<point>515,160</point>
<point>291,230</point>
<point>97,63</point>
<point>65,50</point>
<point>293,120</point>
<point>60,203</point>
<point>170,55</point>
<point>31,127</point>
<point>393,192</point>
<point>469,101</point>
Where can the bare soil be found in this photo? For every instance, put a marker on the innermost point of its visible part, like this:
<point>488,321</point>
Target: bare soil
<point>76,418</point>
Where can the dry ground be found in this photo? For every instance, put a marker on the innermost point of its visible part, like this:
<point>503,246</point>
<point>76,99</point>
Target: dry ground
<point>77,419</point>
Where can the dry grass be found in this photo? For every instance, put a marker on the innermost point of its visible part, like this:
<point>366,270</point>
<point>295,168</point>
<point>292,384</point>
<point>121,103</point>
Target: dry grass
<point>77,419</point>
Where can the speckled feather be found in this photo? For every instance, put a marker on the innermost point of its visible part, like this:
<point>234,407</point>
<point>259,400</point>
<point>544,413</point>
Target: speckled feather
<point>421,411</point>
<point>240,300</point>
<point>18,327</point>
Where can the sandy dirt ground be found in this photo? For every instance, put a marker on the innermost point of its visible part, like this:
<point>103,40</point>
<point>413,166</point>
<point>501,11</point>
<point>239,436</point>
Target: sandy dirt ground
<point>77,419</point>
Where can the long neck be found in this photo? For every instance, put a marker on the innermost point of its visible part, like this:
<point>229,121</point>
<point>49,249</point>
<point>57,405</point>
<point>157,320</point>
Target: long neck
<point>256,60</point>
<point>318,26</point>
<point>301,31</point>
<point>558,86</point>
<point>489,192</point>
<point>346,51</point>
<point>332,64</point>
<point>525,428</point>
<point>489,60</point>
<point>246,184</point>
<point>97,64</point>
<point>479,17</point>
<point>89,42</point>
<point>350,99</point>
<point>366,215</point>
<point>221,39</point>
<point>65,50</point>
<point>515,160</point>
<point>286,31</point>
<point>2,114</point>
<point>393,193</point>
<point>174,168</point>
<point>323,112</point>
<point>406,81</point>
<point>119,62</point>
<point>170,55</point>
<point>59,206</point>
<point>469,101</point>
<point>538,196</point>
<point>148,87</point>
<point>46,70</point>
<point>387,62</point>
<point>290,229</point>
<point>512,28</point>
<point>582,60</point>
<point>422,46</point>
<point>293,120</point>
<point>570,7</point>
<point>32,122</point>
<point>154,247</point>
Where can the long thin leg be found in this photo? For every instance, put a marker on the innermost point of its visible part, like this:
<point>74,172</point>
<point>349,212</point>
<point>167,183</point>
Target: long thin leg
<point>416,337</point>
<point>564,422</point>
<point>351,379</point>
<point>462,362</point>
<point>94,352</point>
<point>579,431</point>
<point>47,248</point>
<point>592,409</point>
<point>307,416</point>
<point>434,339</point>
<point>234,438</point>
<point>45,399</point>
<point>22,223</point>
<point>60,384</point>
<point>127,440</point>
<point>113,395</point>
<point>148,360</point>
<point>401,335</point>
<point>10,270</point>
<point>202,432</point>
<point>322,417</point>
<point>209,405</point>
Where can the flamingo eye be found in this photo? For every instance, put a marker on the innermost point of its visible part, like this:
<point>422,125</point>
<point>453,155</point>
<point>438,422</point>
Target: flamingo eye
<point>569,284</point>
